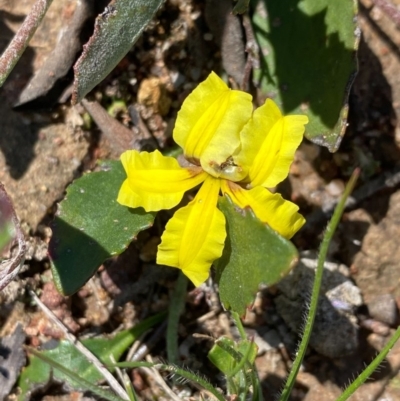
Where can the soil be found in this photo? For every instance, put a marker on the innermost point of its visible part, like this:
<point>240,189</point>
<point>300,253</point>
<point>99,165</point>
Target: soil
<point>45,146</point>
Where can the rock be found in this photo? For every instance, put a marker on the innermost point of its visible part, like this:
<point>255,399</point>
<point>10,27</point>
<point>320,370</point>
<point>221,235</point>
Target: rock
<point>152,93</point>
<point>228,32</point>
<point>377,266</point>
<point>383,308</point>
<point>12,359</point>
<point>37,162</point>
<point>266,341</point>
<point>335,332</point>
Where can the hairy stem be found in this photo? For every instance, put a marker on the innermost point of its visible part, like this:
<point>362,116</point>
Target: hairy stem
<point>174,312</point>
<point>330,230</point>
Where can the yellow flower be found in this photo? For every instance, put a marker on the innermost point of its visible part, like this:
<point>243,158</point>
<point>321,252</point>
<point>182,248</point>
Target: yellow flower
<point>234,151</point>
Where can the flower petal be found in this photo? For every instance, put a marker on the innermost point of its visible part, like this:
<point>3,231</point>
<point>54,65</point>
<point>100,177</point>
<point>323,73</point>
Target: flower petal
<point>210,121</point>
<point>281,215</point>
<point>269,142</point>
<point>194,237</point>
<point>155,181</point>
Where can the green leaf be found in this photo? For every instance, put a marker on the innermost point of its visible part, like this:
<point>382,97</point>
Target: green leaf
<point>115,32</point>
<point>254,254</point>
<point>38,373</point>
<point>226,354</point>
<point>308,61</point>
<point>82,383</point>
<point>235,361</point>
<point>33,377</point>
<point>91,226</point>
<point>241,7</point>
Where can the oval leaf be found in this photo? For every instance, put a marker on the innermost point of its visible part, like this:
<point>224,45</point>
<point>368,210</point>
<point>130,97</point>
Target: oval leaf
<point>254,254</point>
<point>115,31</point>
<point>91,226</point>
<point>308,61</point>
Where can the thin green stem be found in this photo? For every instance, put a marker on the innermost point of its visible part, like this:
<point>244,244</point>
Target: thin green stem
<point>130,390</point>
<point>244,373</point>
<point>178,371</point>
<point>244,360</point>
<point>243,391</point>
<point>239,325</point>
<point>175,309</point>
<point>330,230</point>
<point>255,380</point>
<point>370,368</point>
<point>231,386</point>
<point>234,383</point>
<point>194,378</point>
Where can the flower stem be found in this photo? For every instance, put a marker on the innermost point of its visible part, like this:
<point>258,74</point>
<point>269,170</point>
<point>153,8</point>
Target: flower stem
<point>174,312</point>
<point>371,367</point>
<point>330,230</point>
<point>239,325</point>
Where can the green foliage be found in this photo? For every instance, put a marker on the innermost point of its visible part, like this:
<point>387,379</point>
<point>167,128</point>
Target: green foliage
<point>254,254</point>
<point>91,226</point>
<point>176,307</point>
<point>116,30</point>
<point>74,376</point>
<point>371,368</point>
<point>177,371</point>
<point>7,231</point>
<point>235,360</point>
<point>106,350</point>
<point>241,6</point>
<point>116,107</point>
<point>226,354</point>
<point>307,66</point>
<point>308,61</point>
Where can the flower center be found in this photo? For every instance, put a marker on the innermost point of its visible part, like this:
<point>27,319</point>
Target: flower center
<point>227,169</point>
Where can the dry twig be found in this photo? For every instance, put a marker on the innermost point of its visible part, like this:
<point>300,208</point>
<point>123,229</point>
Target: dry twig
<point>159,380</point>
<point>138,351</point>
<point>389,9</point>
<point>111,380</point>
<point>252,50</point>
<point>21,39</point>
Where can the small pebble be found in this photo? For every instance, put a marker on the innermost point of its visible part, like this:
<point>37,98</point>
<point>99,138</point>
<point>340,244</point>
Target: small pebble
<point>335,188</point>
<point>383,308</point>
<point>376,327</point>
